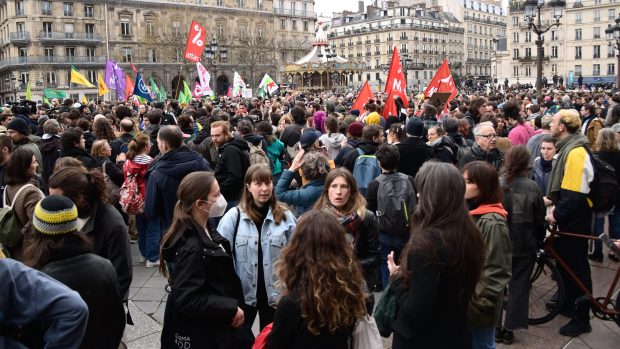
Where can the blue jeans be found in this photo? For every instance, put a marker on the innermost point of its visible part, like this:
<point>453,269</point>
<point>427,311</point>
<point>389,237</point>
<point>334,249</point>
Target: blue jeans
<point>389,243</point>
<point>483,337</point>
<point>149,235</point>
<point>614,228</point>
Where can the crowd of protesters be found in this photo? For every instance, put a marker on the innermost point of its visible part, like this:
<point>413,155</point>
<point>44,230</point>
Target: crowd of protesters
<point>295,209</point>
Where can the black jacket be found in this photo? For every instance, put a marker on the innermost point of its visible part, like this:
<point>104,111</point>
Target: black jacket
<point>290,330</point>
<point>348,160</point>
<point>89,139</point>
<point>351,144</point>
<point>205,295</point>
<point>108,232</point>
<point>163,179</point>
<point>233,162</point>
<point>79,154</point>
<point>153,131</point>
<point>49,154</point>
<point>413,153</point>
<point>73,265</point>
<point>612,158</point>
<point>118,143</point>
<point>475,153</point>
<point>367,248</point>
<point>114,172</point>
<point>291,134</point>
<point>526,215</point>
<point>428,305</point>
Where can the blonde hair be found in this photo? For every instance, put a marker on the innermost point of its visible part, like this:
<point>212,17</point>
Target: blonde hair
<point>606,140</point>
<point>98,147</point>
<point>570,118</point>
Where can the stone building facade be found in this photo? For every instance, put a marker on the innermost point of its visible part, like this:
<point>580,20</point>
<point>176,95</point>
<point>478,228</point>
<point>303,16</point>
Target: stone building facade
<point>41,40</point>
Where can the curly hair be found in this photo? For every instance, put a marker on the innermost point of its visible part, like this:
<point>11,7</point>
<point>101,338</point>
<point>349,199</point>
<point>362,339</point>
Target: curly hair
<point>103,130</point>
<point>516,164</point>
<point>319,266</point>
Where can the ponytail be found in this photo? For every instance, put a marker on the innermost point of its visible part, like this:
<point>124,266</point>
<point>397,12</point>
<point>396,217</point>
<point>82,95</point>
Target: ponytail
<point>137,145</point>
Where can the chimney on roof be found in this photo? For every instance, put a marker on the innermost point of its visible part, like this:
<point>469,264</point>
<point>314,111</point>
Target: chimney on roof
<point>360,6</point>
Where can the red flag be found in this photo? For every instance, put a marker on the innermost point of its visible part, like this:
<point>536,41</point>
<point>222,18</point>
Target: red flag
<point>129,86</point>
<point>134,68</point>
<point>442,82</point>
<point>396,79</point>
<point>390,108</point>
<point>363,97</point>
<point>195,42</point>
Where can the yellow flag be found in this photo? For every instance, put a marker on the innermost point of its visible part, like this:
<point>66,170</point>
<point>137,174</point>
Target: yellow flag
<point>28,92</point>
<point>84,100</point>
<point>77,78</point>
<point>103,88</point>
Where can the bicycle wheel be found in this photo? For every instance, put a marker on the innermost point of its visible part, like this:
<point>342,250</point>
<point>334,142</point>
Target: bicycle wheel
<point>546,287</point>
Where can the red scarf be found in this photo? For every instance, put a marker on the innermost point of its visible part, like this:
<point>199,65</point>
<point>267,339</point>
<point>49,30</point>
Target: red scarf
<point>489,208</point>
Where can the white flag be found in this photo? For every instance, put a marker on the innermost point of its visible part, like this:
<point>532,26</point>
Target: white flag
<point>204,77</point>
<point>238,85</point>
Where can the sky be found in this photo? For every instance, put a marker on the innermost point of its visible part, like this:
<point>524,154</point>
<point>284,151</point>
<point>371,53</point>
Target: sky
<point>325,8</point>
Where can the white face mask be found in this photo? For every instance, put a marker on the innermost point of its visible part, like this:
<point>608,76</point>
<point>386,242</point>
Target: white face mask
<point>218,208</point>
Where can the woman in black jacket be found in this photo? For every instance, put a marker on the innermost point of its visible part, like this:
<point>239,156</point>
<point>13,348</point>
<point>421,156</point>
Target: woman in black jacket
<point>440,265</point>
<point>101,152</point>
<point>64,254</point>
<point>526,225</point>
<point>322,287</point>
<point>203,308</point>
<point>343,198</point>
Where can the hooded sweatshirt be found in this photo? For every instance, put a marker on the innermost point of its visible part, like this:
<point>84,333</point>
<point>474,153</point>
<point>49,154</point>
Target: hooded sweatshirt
<point>234,160</point>
<point>333,143</point>
<point>163,179</point>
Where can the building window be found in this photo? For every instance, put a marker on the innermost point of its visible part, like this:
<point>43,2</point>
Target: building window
<point>515,22</point>
<point>515,71</point>
<point>610,51</point>
<point>294,24</point>
<point>127,54</point>
<point>305,25</point>
<point>47,29</point>
<point>554,52</point>
<point>596,69</point>
<point>611,14</point>
<point>70,54</point>
<point>220,3</point>
<point>528,36</point>
<point>241,3</point>
<point>577,34</point>
<point>125,27</point>
<point>46,8</point>
<point>69,30</point>
<point>597,51</point>
<point>282,23</point>
<point>91,75</point>
<point>89,30</point>
<point>528,52</point>
<point>23,55</point>
<point>515,38</point>
<point>611,69</point>
<point>578,69</point>
<point>577,52</point>
<point>150,28</point>
<point>176,28</point>
<point>596,32</point>
<point>151,55</point>
<point>89,11</point>
<point>528,70</point>
<point>220,30</point>
<point>67,8</point>
<point>50,77</point>
<point>515,53</point>
<point>577,17</point>
<point>597,15</point>
<point>24,77</point>
<point>19,8</point>
<point>48,53</point>
<point>554,35</point>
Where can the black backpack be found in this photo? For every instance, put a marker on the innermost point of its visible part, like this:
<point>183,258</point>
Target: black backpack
<point>396,201</point>
<point>604,188</point>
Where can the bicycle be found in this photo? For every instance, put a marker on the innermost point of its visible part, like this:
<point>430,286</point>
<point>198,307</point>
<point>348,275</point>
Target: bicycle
<point>547,285</point>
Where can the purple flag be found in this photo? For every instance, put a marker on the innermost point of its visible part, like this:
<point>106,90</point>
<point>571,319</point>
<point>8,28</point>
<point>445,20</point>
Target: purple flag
<point>110,76</point>
<point>120,82</point>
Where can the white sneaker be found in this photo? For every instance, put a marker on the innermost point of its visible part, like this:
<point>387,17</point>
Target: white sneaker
<point>142,259</point>
<point>150,264</point>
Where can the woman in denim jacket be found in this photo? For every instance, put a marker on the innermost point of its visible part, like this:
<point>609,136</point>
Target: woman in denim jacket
<point>256,250</point>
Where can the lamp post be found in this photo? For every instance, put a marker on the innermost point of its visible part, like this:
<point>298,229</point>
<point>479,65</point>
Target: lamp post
<point>214,58</point>
<point>613,36</point>
<point>329,55</point>
<point>11,84</point>
<point>406,64</point>
<point>533,9</point>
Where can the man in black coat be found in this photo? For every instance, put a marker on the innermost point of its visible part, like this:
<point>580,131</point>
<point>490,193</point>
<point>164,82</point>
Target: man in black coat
<point>413,151</point>
<point>485,148</point>
<point>119,145</point>
<point>72,144</point>
<point>234,160</point>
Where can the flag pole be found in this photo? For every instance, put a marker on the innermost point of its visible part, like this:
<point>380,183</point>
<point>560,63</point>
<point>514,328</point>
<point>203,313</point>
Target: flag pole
<point>179,82</point>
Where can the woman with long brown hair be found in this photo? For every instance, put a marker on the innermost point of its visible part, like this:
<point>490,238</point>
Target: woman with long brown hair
<point>440,265</point>
<point>342,196</point>
<point>258,229</point>
<point>484,198</point>
<point>322,287</point>
<point>203,307</point>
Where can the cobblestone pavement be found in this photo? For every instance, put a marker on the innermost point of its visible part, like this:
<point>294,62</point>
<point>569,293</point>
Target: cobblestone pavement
<point>148,300</point>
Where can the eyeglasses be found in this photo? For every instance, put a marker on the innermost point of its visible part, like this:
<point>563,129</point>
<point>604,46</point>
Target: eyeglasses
<point>488,136</point>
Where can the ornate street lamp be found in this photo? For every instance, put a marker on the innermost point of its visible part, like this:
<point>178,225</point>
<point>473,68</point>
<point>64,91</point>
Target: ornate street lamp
<point>533,9</point>
<point>329,55</point>
<point>613,36</point>
<point>214,58</point>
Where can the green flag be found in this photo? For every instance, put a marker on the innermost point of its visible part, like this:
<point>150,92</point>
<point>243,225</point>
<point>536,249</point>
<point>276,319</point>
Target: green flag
<point>186,93</point>
<point>28,91</point>
<point>182,97</point>
<point>162,93</point>
<point>50,93</point>
<point>46,101</point>
<point>155,89</point>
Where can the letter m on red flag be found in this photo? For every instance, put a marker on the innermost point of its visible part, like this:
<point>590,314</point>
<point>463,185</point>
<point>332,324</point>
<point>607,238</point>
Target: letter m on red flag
<point>396,79</point>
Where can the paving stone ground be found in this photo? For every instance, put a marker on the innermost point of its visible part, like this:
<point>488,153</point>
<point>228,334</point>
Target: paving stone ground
<point>148,300</point>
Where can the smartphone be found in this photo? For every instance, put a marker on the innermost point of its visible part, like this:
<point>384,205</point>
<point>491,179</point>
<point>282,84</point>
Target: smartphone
<point>607,241</point>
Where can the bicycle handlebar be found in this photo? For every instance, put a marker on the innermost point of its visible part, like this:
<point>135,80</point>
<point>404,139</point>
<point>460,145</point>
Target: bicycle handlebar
<point>607,241</point>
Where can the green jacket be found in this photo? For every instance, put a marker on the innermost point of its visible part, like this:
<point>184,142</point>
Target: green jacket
<point>486,306</point>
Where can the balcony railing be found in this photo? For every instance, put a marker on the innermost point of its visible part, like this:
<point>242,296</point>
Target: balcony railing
<point>19,12</point>
<point>529,59</point>
<point>60,60</point>
<point>288,12</point>
<point>20,37</point>
<point>54,36</point>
